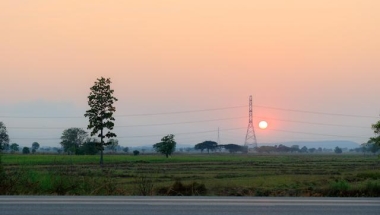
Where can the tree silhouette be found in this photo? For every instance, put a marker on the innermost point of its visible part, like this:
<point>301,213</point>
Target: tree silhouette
<point>338,150</point>
<point>208,145</point>
<point>376,129</point>
<point>35,147</point>
<point>4,138</point>
<point>14,147</point>
<point>166,146</point>
<point>101,112</point>
<point>72,139</point>
<point>25,150</point>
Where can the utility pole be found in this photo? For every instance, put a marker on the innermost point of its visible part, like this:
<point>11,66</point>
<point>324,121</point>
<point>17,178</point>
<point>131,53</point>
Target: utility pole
<point>250,138</point>
<point>218,137</point>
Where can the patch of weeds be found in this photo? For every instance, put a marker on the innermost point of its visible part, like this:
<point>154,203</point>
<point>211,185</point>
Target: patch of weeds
<point>180,189</point>
<point>369,175</point>
<point>339,188</point>
<point>105,185</point>
<point>262,192</point>
<point>372,188</point>
<point>143,185</point>
<point>62,181</point>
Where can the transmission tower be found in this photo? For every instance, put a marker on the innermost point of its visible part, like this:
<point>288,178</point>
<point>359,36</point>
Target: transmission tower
<point>250,138</point>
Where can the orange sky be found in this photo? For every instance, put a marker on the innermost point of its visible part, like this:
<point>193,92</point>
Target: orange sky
<point>173,55</point>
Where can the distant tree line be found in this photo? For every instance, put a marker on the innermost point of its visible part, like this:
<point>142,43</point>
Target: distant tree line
<point>286,149</point>
<point>77,141</point>
<point>369,147</point>
<point>213,146</point>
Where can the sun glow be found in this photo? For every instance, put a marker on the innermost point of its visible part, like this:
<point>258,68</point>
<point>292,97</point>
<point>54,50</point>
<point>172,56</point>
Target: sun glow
<point>263,125</point>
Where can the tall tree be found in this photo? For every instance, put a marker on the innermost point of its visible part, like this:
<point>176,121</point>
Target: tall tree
<point>101,112</point>
<point>4,138</point>
<point>72,139</point>
<point>166,146</point>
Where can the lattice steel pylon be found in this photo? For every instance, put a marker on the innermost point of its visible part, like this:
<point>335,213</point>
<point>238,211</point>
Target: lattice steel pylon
<point>250,138</point>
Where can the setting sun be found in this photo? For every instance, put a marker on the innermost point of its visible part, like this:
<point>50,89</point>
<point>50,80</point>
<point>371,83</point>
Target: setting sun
<point>263,125</point>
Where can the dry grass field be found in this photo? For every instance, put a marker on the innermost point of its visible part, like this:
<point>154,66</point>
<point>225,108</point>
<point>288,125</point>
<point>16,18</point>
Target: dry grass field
<point>200,174</point>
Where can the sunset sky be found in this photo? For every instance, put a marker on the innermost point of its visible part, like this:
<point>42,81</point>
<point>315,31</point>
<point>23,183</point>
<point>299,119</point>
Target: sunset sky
<point>296,58</point>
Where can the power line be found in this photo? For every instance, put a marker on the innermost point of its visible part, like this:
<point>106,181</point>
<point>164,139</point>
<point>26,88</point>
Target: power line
<point>35,138</point>
<point>211,131</point>
<point>179,123</point>
<point>199,121</point>
<point>140,136</point>
<point>124,115</point>
<point>317,134</point>
<point>140,125</point>
<point>42,117</point>
<point>180,112</point>
<point>192,111</point>
<point>316,123</point>
<point>316,112</point>
<point>182,133</point>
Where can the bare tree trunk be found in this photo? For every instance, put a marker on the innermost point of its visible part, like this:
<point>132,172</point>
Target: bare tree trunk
<point>101,147</point>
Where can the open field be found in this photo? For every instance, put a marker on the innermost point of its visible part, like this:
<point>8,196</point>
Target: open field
<point>202,174</point>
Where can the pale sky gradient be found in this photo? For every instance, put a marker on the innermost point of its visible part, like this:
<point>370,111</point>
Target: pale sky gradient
<point>169,55</point>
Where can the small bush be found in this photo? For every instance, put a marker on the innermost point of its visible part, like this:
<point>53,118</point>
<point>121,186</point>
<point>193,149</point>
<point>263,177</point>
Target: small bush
<point>180,189</point>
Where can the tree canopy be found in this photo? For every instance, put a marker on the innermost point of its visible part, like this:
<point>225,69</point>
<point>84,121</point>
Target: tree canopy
<point>373,144</point>
<point>35,147</point>
<point>233,148</point>
<point>14,147</point>
<point>206,145</point>
<point>166,146</point>
<point>89,147</point>
<point>4,138</point>
<point>72,139</point>
<point>126,149</point>
<point>376,129</point>
<point>25,150</point>
<point>100,114</point>
<point>338,150</point>
<point>113,144</point>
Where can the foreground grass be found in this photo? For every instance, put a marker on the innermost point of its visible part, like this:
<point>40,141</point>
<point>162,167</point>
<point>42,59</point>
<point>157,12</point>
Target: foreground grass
<point>214,174</point>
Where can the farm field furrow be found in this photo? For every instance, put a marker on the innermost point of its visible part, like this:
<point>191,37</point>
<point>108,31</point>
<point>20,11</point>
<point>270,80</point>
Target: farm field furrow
<point>183,174</point>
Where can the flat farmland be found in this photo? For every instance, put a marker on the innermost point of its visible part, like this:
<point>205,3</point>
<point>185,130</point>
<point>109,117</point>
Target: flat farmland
<point>193,174</point>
